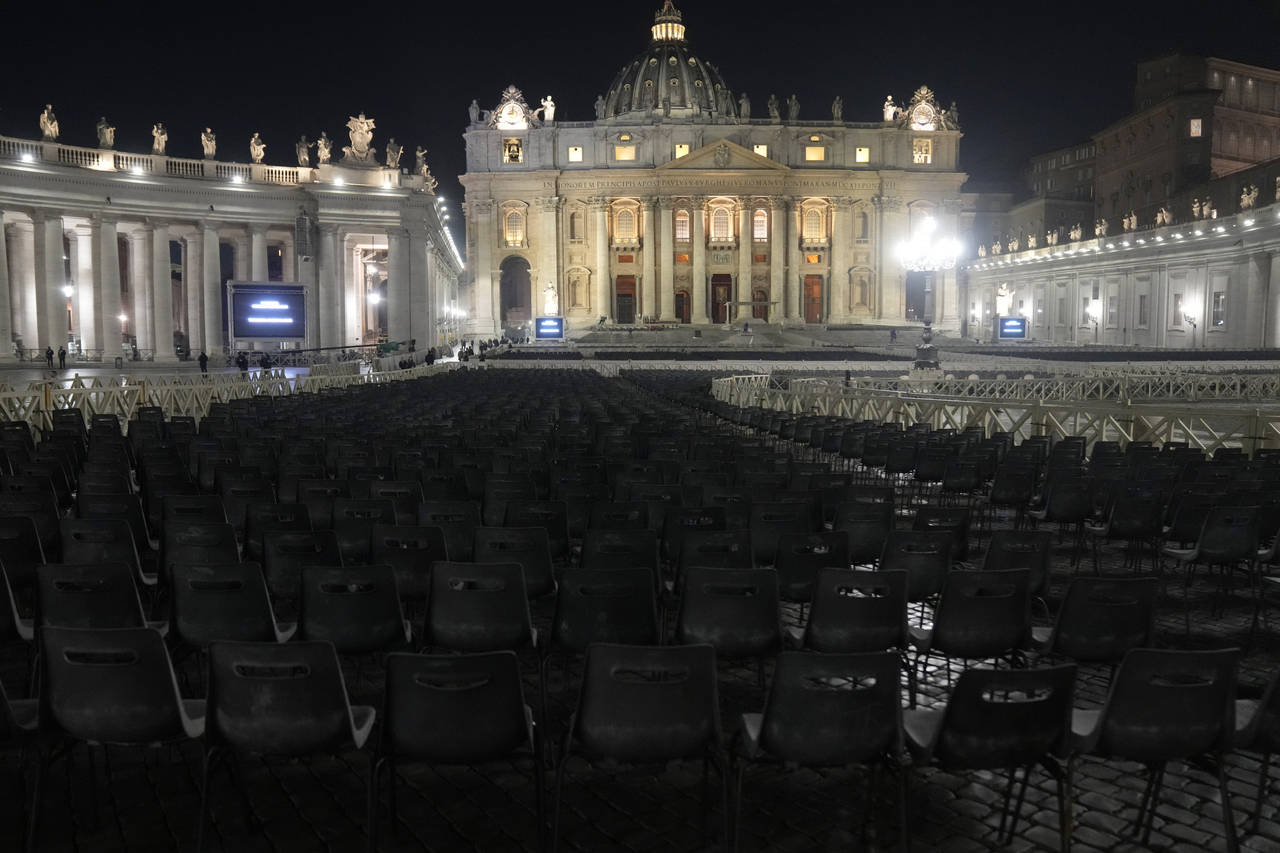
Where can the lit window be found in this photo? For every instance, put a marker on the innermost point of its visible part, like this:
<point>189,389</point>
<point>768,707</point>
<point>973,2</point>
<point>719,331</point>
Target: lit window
<point>815,153</point>
<point>682,149</point>
<point>575,153</point>
<point>626,225</point>
<point>575,225</point>
<point>1219,317</point>
<point>513,225</point>
<point>624,152</point>
<point>862,155</point>
<point>682,226</point>
<point>512,151</point>
<point>922,151</point>
<point>1176,320</point>
<point>720,232</point>
<point>812,225</point>
<point>762,150</point>
<point>624,137</point>
<point>760,226</point>
<point>1197,127</point>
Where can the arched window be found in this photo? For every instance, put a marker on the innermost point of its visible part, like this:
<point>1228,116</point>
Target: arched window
<point>575,225</point>
<point>626,225</point>
<point>760,226</point>
<point>682,226</point>
<point>864,227</point>
<point>720,230</point>
<point>513,225</point>
<point>812,224</point>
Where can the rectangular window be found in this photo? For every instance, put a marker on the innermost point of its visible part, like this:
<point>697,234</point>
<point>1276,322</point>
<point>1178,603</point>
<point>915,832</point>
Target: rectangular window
<point>1177,311</point>
<point>626,259</point>
<point>922,151</point>
<point>862,155</point>
<point>762,150</point>
<point>1144,318</point>
<point>813,259</point>
<point>682,149</point>
<point>815,153</point>
<point>575,153</point>
<point>1062,309</point>
<point>512,151</point>
<point>1219,317</point>
<point>1197,127</point>
<point>1113,311</point>
<point>682,258</point>
<point>759,259</point>
<point>624,152</point>
<point>1085,319</point>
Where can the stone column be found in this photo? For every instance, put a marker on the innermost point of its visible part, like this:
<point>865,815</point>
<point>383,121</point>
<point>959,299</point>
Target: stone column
<point>288,270</point>
<point>1271,320</point>
<point>649,284</point>
<point>666,263</point>
<point>745,248</point>
<point>548,249</point>
<point>399,318</point>
<point>243,251</point>
<point>433,293</point>
<point>777,259</point>
<point>604,277</point>
<point>140,267</point>
<point>795,292</point>
<point>211,285</point>
<point>484,291</point>
<point>890,282</point>
<point>161,293</point>
<point>193,286</point>
<point>6,320</point>
<point>698,284</point>
<point>258,252</point>
<point>51,304</point>
<point>841,242</point>
<point>330,295</point>
<point>420,283</point>
<point>106,287</point>
<point>86,298</point>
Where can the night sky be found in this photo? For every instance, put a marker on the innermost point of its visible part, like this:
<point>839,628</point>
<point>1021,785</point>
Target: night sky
<point>1027,77</point>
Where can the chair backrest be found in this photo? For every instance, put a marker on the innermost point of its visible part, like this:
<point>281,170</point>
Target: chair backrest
<point>285,554</point>
<point>20,550</point>
<point>527,546</point>
<point>110,686</point>
<point>1022,549</point>
<point>227,601</point>
<point>622,515</point>
<point>552,516</point>
<point>620,549</point>
<point>353,521</point>
<point>925,555</point>
<point>453,709</point>
<point>857,611</point>
<point>1229,535</point>
<point>868,524</point>
<point>954,519</point>
<point>649,703</point>
<point>721,549</point>
<point>126,506</point>
<point>772,519</point>
<point>605,606</point>
<point>1101,619</point>
<point>1069,500</point>
<point>833,709</point>
<point>262,517</point>
<point>997,719</point>
<point>677,521</point>
<point>192,507</point>
<point>1167,705</point>
<point>410,551</point>
<point>800,556</point>
<point>457,519</point>
<point>277,698</point>
<point>99,540</point>
<point>98,595</point>
<point>318,495</point>
<point>734,610</point>
<point>198,543</point>
<point>983,614</point>
<point>356,608</point>
<point>477,607</point>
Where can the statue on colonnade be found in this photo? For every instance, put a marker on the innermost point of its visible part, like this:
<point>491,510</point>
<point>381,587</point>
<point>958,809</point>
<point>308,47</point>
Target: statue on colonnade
<point>548,109</point>
<point>744,107</point>
<point>360,129</point>
<point>159,137</point>
<point>209,141</point>
<point>106,134</point>
<point>775,114</point>
<point>793,108</point>
<point>303,149</point>
<point>48,124</point>
<point>394,151</point>
<point>324,149</point>
<point>257,148</point>
<point>837,109</point>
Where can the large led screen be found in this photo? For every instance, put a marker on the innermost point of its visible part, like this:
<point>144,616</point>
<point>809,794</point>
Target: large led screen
<point>268,312</point>
<point>549,329</point>
<point>1013,328</point>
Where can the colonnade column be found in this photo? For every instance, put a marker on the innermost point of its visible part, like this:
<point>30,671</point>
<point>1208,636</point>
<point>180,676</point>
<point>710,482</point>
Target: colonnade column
<point>481,213</point>
<point>666,263</point>
<point>604,277</point>
<point>140,287</point>
<point>330,295</point>
<point>794,290</point>
<point>777,256</point>
<point>258,253</point>
<point>548,249</point>
<point>85,300</point>
<point>420,283</point>
<point>891,228</point>
<point>434,295</point>
<point>193,286</point>
<point>211,285</point>
<point>106,286</point>
<point>649,284</point>
<point>841,221</point>
<point>162,293</point>
<point>50,275</point>
<point>288,267</point>
<point>698,286</point>
<point>6,324</point>
<point>744,262</point>
<point>399,318</point>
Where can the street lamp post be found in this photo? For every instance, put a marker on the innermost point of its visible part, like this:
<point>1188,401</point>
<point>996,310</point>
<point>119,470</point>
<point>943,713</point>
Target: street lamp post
<point>924,253</point>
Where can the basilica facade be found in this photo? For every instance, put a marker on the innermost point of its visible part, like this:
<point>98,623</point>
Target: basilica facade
<point>682,202</point>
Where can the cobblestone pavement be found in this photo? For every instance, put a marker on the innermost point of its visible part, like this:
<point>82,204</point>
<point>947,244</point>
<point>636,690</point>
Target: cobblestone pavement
<point>148,801</point>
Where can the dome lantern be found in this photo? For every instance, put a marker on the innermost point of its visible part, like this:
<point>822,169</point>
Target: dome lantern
<point>666,23</point>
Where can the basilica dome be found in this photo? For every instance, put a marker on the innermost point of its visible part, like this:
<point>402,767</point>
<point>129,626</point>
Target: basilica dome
<point>668,79</point>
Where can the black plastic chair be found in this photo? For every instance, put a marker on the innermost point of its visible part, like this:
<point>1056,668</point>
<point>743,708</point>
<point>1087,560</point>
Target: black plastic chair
<point>952,519</point>
<point>646,705</point>
<point>227,602</point>
<point>830,710</point>
<point>20,553</point>
<point>799,557</point>
<point>733,610</point>
<point>103,540</point>
<point>621,549</point>
<point>356,608</point>
<point>1258,730</point>
<point>1101,620</point>
<point>1022,549</point>
<point>925,555</point>
<point>478,607</point>
<point>453,709</point>
<point>261,518</point>
<point>868,525</point>
<point>353,522</point>
<point>458,520</point>
<point>552,516</point>
<point>625,515</point>
<point>410,551</point>
<point>286,553</point>
<point>95,596</point>
<point>1069,503</point>
<point>1166,706</point>
<point>278,699</point>
<point>1003,720</point>
<point>527,546</point>
<point>1228,538</point>
<point>770,520</point>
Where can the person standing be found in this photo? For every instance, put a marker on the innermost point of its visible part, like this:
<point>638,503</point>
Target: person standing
<point>48,356</point>
<point>204,362</point>
<point>62,358</point>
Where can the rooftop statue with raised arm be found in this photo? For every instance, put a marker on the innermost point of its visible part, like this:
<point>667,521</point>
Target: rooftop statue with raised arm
<point>48,124</point>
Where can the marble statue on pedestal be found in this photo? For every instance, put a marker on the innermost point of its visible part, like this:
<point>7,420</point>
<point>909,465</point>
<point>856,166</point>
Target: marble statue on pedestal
<point>550,304</point>
<point>774,113</point>
<point>793,108</point>
<point>106,134</point>
<point>1195,208</point>
<point>159,138</point>
<point>324,149</point>
<point>1013,244</point>
<point>996,248</point>
<point>1248,197</point>
<point>599,105</point>
<point>837,109</point>
<point>1031,241</point>
<point>257,149</point>
<point>420,161</point>
<point>209,142</point>
<point>394,150</point>
<point>548,109</point>
<point>358,153</point>
<point>303,149</point>
<point>474,111</point>
<point>48,124</point>
<point>890,108</point>
<point>982,250</point>
<point>744,107</point>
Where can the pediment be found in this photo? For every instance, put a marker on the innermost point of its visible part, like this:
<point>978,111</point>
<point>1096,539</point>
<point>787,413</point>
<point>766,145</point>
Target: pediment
<point>723,155</point>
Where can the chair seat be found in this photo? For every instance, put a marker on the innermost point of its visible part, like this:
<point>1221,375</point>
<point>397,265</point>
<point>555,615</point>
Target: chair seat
<point>26,714</point>
<point>362,717</point>
<point>285,631</point>
<point>751,726</point>
<point>921,638</point>
<point>921,728</point>
<point>1098,529</point>
<point>1084,727</point>
<point>1040,637</point>
<point>1179,554</point>
<point>1247,721</point>
<point>193,711</point>
<point>793,636</point>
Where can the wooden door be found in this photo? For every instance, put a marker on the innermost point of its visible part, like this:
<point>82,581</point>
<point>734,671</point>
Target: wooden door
<point>625,291</point>
<point>682,306</point>
<point>813,299</point>
<point>721,289</point>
